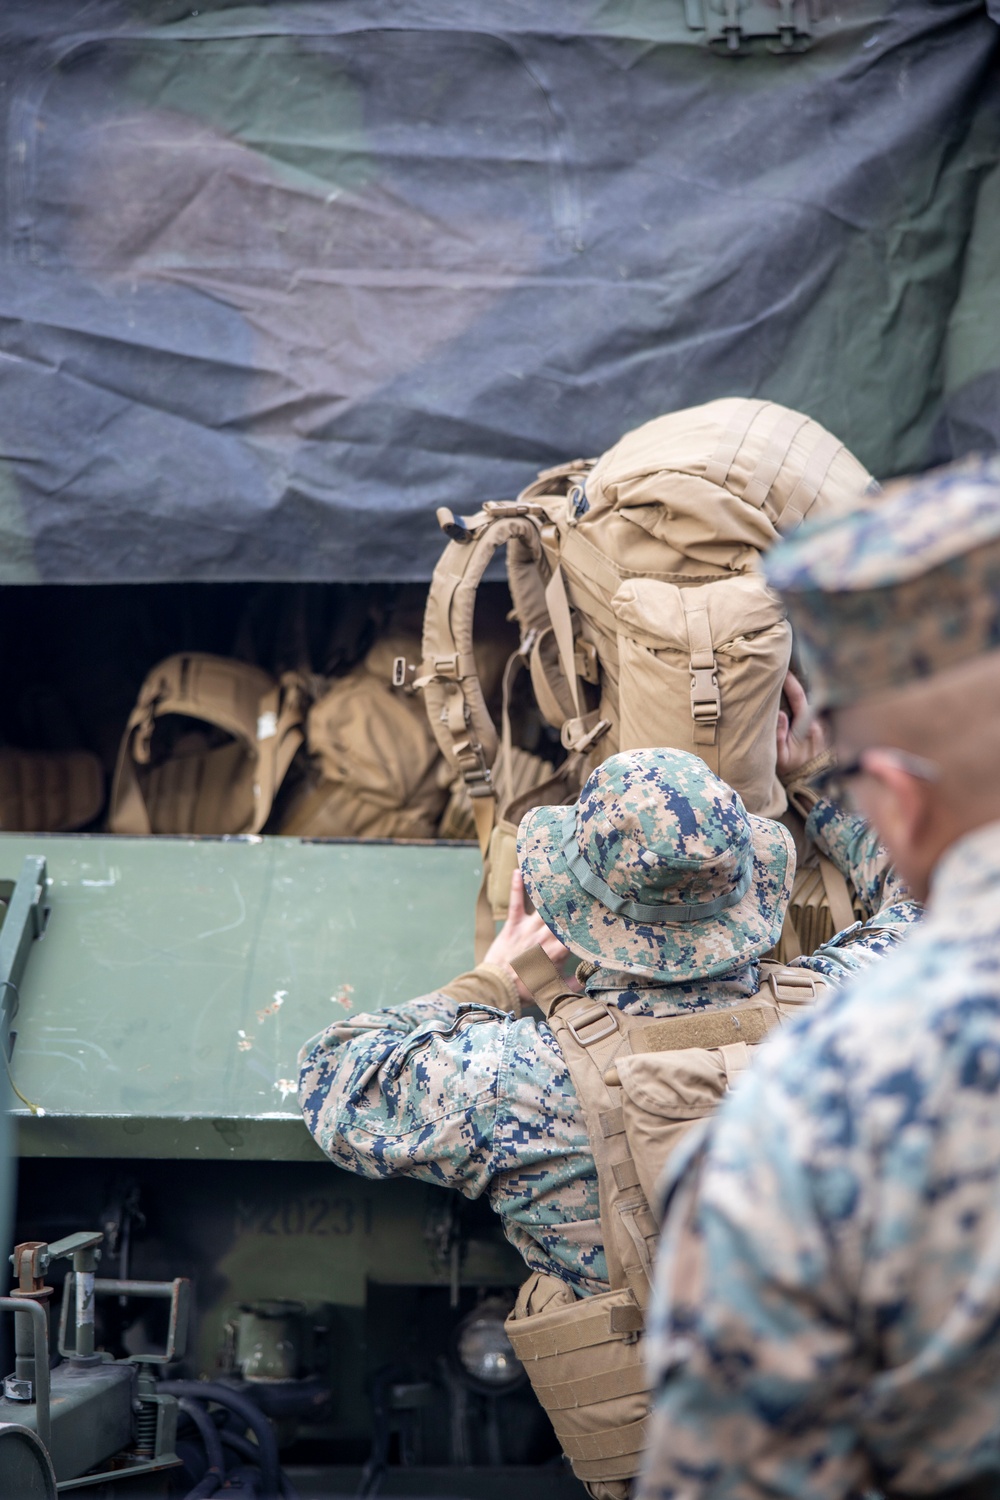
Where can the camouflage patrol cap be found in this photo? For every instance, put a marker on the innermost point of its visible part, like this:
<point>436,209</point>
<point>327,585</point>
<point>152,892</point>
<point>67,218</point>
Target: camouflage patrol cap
<point>658,869</point>
<point>898,588</point>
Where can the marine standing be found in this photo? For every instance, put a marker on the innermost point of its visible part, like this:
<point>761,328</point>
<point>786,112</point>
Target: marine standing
<point>827,1313</point>
<point>670,892</point>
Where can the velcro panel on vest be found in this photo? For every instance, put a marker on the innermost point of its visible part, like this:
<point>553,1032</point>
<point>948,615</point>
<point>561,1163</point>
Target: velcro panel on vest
<point>715,1028</point>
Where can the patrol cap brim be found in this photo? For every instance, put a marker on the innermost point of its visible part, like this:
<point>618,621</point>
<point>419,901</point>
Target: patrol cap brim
<point>669,951</point>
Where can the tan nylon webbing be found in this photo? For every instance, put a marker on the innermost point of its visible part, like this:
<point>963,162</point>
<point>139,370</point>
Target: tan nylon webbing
<point>586,1331</point>
<point>837,895</point>
<point>809,486</point>
<point>776,450</point>
<point>619,1441</point>
<point>562,627</point>
<point>718,467</point>
<point>627,1381</point>
<point>539,976</point>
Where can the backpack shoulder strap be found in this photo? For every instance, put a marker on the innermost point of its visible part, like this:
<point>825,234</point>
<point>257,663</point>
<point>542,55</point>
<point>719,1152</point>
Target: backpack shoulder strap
<point>453,694</point>
<point>591,1036</point>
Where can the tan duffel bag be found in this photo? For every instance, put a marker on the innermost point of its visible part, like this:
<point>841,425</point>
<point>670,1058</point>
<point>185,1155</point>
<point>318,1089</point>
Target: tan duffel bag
<point>206,748</point>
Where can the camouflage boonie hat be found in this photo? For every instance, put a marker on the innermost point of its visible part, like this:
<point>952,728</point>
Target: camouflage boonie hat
<point>659,869</point>
<point>898,588</point>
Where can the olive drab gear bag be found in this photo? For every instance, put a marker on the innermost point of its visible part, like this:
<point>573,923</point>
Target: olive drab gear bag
<point>228,732</point>
<point>642,1083</point>
<point>643,621</point>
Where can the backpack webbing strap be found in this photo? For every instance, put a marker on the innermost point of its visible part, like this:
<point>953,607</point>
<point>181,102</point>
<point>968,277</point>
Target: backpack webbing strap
<point>776,451</point>
<point>591,1035</point>
<point>706,702</point>
<point>838,895</point>
<point>540,977</point>
<point>732,440</point>
<point>562,628</point>
<point>279,735</point>
<point>801,499</point>
<point>453,694</point>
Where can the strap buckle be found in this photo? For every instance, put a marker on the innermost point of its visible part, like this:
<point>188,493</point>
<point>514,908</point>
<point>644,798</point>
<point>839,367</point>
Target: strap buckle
<point>596,1016</point>
<point>706,700</point>
<point>403,673</point>
<point>793,987</point>
<point>580,734</point>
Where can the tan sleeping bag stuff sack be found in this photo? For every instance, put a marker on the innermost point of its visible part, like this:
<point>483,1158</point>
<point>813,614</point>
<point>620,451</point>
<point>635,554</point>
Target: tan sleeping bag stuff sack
<point>643,621</point>
<point>221,772</point>
<point>642,1084</point>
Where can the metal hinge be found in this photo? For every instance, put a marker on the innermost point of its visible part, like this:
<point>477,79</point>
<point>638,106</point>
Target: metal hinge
<point>730,26</point>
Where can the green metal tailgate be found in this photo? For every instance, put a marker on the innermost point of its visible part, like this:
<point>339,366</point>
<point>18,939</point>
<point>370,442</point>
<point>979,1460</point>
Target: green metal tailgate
<point>162,1010</point>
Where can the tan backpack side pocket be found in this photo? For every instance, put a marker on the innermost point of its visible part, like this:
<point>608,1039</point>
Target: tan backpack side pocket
<point>701,669</point>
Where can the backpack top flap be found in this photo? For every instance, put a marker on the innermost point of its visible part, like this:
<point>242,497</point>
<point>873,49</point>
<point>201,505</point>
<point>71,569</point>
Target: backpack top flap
<point>715,485</point>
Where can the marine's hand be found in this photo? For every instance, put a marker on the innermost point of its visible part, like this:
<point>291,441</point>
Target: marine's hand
<point>802,739</point>
<point>521,931</point>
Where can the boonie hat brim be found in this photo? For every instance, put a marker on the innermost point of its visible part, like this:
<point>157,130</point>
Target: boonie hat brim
<point>671,951</point>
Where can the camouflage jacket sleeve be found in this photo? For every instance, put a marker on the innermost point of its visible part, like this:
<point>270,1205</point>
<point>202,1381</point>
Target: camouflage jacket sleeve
<point>854,848</point>
<point>410,1090</point>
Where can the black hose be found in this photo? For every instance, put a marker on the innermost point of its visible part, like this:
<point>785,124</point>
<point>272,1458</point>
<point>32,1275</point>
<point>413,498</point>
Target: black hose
<point>208,1485</point>
<point>251,1453</point>
<point>209,1434</point>
<point>251,1415</point>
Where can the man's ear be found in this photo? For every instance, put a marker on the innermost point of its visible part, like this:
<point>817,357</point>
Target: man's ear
<point>899,805</point>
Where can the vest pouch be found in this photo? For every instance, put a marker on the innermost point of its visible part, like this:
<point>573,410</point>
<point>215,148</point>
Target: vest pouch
<point>663,1095</point>
<point>701,669</point>
<point>584,1358</point>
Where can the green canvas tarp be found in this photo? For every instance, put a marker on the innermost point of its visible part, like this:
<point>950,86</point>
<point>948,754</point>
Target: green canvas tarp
<point>277,281</point>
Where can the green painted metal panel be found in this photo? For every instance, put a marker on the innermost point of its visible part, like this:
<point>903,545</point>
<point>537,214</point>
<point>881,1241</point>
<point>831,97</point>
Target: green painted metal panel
<point>162,1010</point>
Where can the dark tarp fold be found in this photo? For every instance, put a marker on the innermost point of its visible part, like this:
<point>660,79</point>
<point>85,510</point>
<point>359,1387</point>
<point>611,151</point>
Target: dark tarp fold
<point>279,280</point>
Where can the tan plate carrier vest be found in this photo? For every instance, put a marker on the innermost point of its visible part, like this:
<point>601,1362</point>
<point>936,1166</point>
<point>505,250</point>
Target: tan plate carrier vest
<point>642,1083</point>
<point>226,790</point>
<point>643,619</point>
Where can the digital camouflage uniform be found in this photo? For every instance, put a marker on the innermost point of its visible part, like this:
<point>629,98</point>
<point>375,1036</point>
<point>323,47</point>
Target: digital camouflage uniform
<point>827,1311</point>
<point>456,1088</point>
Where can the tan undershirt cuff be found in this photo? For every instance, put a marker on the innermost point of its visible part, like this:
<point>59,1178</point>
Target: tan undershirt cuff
<point>487,984</point>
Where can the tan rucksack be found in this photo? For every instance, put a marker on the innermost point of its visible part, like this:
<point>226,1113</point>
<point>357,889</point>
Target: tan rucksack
<point>375,769</point>
<point>642,1084</point>
<point>233,735</point>
<point>643,621</point>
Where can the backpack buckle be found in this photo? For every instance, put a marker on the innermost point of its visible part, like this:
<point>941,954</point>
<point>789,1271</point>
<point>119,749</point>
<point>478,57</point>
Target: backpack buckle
<point>403,673</point>
<point>793,987</point>
<point>594,1025</point>
<point>706,700</point>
